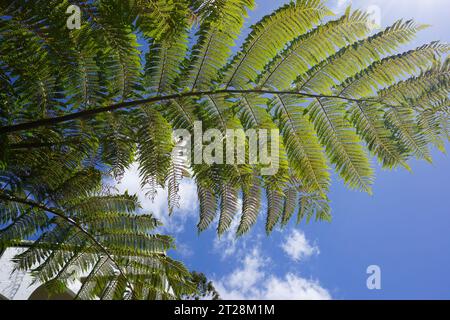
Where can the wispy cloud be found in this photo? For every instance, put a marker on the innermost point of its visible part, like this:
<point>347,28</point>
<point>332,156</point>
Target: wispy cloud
<point>184,250</point>
<point>297,247</point>
<point>338,6</point>
<point>294,287</point>
<point>250,274</point>
<point>188,203</point>
<point>226,245</point>
<point>251,281</point>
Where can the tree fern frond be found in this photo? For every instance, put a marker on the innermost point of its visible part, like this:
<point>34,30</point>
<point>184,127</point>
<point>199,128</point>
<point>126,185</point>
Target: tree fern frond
<point>430,125</point>
<point>269,36</point>
<point>252,112</point>
<point>181,113</point>
<point>92,101</point>
<point>23,226</point>
<point>305,153</point>
<point>275,208</point>
<point>101,222</point>
<point>82,183</point>
<point>406,91</point>
<point>101,247</point>
<point>312,48</point>
<point>228,207</point>
<point>350,60</point>
<point>113,25</point>
<point>154,150</point>
<point>387,71</point>
<point>104,203</point>
<point>290,205</point>
<point>160,19</point>
<point>251,205</point>
<point>176,172</point>
<point>313,205</point>
<point>163,63</point>
<point>402,120</point>
<point>86,291</point>
<point>343,146</point>
<point>369,122</point>
<point>85,83</point>
<point>208,207</point>
<point>216,36</point>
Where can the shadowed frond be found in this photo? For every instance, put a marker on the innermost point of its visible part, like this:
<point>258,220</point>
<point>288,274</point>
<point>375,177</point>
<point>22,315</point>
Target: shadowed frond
<point>98,238</point>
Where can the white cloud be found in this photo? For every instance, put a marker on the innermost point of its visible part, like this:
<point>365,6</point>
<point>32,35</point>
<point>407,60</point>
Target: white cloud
<point>226,245</point>
<point>340,5</point>
<point>188,203</point>
<point>250,274</point>
<point>294,287</point>
<point>297,247</point>
<point>250,281</point>
<point>184,250</point>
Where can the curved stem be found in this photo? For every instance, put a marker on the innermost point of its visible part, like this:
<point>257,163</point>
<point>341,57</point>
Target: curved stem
<point>71,222</point>
<point>130,104</point>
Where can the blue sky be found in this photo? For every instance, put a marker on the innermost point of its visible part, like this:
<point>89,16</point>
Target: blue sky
<point>403,228</point>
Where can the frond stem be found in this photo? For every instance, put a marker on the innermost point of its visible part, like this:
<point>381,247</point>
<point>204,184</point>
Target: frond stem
<point>130,104</point>
<point>71,222</point>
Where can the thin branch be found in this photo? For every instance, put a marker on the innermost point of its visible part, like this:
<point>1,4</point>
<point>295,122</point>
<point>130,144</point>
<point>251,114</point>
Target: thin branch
<point>130,104</point>
<point>71,222</point>
<point>37,144</point>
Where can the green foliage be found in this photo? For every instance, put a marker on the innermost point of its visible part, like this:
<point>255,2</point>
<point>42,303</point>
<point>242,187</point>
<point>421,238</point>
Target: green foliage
<point>338,94</point>
<point>83,231</point>
<point>205,288</point>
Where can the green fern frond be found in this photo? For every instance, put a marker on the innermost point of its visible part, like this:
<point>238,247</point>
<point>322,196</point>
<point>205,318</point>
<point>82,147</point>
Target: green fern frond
<point>269,36</point>
<point>304,151</point>
<point>314,205</point>
<point>228,207</point>
<point>310,49</point>
<point>275,208</point>
<point>290,204</point>
<point>359,55</point>
<point>368,119</point>
<point>208,207</point>
<point>343,146</point>
<point>101,244</point>
<point>92,101</point>
<point>216,36</point>
<point>387,71</point>
<point>406,129</point>
<point>163,63</point>
<point>154,150</point>
<point>251,205</point>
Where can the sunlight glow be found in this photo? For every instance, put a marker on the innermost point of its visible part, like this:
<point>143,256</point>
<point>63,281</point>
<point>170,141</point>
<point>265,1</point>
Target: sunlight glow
<point>412,6</point>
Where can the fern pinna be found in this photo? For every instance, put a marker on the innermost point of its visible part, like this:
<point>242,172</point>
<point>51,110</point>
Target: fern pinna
<point>83,230</point>
<point>112,92</point>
